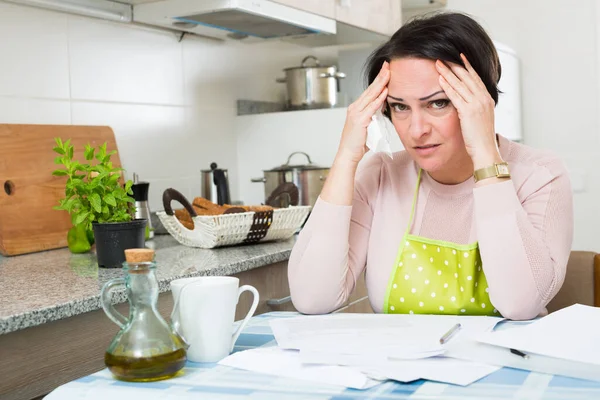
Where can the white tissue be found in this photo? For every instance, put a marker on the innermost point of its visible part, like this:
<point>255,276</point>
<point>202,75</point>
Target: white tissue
<point>379,134</point>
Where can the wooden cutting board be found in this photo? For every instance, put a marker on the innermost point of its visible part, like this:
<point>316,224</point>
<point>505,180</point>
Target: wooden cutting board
<point>28,191</point>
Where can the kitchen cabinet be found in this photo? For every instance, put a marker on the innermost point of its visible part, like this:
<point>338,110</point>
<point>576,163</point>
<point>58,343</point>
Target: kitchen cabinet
<point>381,16</point>
<point>325,8</point>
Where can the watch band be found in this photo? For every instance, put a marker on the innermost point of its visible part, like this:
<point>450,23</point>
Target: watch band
<point>497,170</point>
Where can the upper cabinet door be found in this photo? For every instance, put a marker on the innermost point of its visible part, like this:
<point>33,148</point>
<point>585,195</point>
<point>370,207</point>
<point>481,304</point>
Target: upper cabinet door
<point>396,15</point>
<point>382,16</point>
<point>325,8</point>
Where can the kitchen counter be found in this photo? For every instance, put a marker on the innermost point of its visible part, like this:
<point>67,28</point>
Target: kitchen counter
<point>43,287</point>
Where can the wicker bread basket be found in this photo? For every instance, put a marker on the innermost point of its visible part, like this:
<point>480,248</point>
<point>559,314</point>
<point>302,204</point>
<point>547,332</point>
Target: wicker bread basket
<point>212,231</point>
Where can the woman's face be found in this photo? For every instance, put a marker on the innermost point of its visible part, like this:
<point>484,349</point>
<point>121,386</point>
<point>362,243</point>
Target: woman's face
<point>426,121</point>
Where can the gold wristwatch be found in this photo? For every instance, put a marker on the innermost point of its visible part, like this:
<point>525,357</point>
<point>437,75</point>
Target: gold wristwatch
<point>497,170</point>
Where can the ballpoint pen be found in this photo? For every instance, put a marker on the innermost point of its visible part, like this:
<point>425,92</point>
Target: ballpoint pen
<point>519,353</point>
<point>448,335</point>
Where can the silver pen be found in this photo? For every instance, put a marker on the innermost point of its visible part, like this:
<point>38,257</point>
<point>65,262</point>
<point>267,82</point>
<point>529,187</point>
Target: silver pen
<point>450,334</point>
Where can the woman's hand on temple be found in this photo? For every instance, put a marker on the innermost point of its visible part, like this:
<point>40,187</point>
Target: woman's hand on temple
<point>354,136</point>
<point>475,108</point>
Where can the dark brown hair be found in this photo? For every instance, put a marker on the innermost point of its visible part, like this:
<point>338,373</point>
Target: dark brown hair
<point>442,36</point>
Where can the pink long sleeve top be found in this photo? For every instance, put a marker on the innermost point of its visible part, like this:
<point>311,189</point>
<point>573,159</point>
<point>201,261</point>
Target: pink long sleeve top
<point>524,227</point>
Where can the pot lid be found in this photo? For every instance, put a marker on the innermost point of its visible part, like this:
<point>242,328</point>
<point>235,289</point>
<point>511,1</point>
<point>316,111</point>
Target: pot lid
<point>287,166</point>
<point>303,65</point>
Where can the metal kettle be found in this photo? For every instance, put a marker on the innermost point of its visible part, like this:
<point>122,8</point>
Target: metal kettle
<point>215,185</point>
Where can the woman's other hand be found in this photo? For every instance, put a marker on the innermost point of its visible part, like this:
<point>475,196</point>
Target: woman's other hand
<point>354,136</point>
<point>475,108</point>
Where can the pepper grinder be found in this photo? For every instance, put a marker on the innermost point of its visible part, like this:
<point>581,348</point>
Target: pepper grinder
<point>142,210</point>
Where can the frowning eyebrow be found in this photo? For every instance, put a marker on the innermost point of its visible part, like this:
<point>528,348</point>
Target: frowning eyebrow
<point>421,99</point>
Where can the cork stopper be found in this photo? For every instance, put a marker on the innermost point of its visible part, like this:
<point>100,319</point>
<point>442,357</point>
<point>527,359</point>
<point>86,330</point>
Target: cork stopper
<point>139,255</point>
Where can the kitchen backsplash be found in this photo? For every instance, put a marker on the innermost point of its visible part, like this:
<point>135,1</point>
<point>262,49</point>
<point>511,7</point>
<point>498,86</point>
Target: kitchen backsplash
<point>171,104</point>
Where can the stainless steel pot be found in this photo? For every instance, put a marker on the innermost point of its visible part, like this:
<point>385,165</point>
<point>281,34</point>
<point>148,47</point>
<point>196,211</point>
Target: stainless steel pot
<point>312,87</point>
<point>308,178</point>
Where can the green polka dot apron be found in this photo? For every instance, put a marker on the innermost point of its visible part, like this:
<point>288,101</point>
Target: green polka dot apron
<point>437,277</point>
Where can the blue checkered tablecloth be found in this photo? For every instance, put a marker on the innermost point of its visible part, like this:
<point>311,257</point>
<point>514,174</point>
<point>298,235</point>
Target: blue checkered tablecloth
<point>212,381</point>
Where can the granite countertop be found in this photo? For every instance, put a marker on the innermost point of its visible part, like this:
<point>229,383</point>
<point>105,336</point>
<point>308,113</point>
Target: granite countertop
<point>51,285</point>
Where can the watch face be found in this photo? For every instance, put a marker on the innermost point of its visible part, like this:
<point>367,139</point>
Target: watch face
<point>503,169</point>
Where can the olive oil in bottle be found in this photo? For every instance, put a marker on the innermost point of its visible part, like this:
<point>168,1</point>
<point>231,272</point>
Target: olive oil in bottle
<point>145,369</point>
<point>146,348</point>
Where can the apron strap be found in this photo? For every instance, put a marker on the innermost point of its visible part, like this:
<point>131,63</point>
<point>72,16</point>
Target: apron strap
<point>414,203</point>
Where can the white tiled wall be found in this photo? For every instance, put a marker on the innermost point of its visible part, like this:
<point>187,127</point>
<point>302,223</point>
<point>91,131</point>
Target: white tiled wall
<point>112,62</point>
<point>34,53</point>
<point>171,104</point>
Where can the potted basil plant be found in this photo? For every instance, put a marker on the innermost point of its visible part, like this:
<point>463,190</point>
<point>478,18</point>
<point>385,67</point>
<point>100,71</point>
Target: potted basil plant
<point>97,202</point>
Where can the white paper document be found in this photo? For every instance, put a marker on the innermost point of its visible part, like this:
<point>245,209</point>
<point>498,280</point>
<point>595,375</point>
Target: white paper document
<point>392,336</point>
<point>279,362</point>
<point>568,334</point>
<point>439,369</point>
<point>434,368</point>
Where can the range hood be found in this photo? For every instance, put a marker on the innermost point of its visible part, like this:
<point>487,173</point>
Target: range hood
<point>247,20</point>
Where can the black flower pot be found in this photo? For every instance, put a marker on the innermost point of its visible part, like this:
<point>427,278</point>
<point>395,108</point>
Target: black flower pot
<point>113,238</point>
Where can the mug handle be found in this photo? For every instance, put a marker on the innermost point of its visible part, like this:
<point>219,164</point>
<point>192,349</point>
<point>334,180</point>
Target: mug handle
<point>109,309</point>
<point>237,332</point>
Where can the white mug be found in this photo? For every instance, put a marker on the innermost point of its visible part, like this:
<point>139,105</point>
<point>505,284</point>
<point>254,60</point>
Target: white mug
<point>204,312</point>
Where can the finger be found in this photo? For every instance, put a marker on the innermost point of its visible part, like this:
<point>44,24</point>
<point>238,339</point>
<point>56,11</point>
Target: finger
<point>472,71</point>
<point>454,81</point>
<point>467,79</point>
<point>374,89</point>
<point>372,108</point>
<point>457,101</point>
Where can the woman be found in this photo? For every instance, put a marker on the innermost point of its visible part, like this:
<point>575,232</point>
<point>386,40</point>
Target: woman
<point>463,221</point>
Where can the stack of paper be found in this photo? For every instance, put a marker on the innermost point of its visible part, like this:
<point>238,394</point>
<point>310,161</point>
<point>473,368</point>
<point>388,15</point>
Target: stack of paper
<point>569,334</point>
<point>358,350</point>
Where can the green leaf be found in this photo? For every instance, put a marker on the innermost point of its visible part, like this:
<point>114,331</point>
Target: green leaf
<point>60,172</point>
<point>89,152</point>
<point>114,178</point>
<point>70,152</point>
<point>68,205</point>
<point>59,150</point>
<point>101,153</point>
<point>58,141</point>
<point>80,218</point>
<point>58,160</point>
<point>110,200</point>
<point>80,167</point>
<point>96,202</point>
